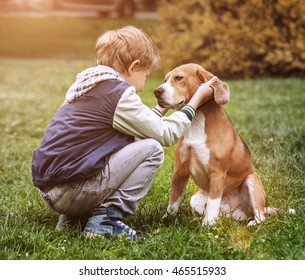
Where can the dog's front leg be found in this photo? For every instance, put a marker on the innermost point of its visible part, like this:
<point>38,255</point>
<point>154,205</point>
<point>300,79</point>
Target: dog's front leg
<point>179,181</point>
<point>178,185</point>
<point>214,200</point>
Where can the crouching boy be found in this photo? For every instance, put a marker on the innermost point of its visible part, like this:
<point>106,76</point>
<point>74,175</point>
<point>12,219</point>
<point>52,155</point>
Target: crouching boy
<point>88,163</point>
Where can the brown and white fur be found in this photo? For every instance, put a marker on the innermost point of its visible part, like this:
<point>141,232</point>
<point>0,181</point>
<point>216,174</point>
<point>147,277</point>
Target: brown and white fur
<point>212,153</point>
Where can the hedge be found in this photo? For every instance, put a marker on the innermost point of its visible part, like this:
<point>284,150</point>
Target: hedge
<point>234,38</point>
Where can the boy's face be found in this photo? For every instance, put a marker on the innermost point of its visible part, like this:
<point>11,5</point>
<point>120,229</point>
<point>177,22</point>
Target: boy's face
<point>137,79</point>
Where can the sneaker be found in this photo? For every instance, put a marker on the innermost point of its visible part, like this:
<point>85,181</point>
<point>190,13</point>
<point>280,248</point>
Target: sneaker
<point>107,221</point>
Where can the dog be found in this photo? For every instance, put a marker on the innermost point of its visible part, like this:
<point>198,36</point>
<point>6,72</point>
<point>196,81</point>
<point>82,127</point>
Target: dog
<point>213,153</point>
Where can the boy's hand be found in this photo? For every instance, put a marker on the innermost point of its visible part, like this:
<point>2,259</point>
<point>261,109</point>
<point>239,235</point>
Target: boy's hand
<point>205,89</point>
<point>162,110</point>
<point>204,93</point>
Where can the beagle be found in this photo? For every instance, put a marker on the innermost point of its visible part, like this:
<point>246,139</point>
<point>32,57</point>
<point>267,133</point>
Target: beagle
<point>212,153</point>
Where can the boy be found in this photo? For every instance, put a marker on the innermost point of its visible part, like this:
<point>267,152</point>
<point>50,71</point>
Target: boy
<point>89,162</point>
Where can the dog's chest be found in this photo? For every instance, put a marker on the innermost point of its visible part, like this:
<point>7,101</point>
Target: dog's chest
<point>194,145</point>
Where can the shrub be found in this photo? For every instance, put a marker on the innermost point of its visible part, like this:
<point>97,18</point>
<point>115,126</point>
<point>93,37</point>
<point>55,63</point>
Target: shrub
<point>234,38</point>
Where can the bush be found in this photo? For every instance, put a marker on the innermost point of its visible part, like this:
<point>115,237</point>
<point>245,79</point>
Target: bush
<point>234,38</point>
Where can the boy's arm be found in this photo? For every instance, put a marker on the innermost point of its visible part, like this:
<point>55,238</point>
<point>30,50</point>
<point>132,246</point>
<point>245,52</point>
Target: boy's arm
<point>132,117</point>
<point>160,111</point>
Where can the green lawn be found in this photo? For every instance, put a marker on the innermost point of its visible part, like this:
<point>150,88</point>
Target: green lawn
<point>269,115</point>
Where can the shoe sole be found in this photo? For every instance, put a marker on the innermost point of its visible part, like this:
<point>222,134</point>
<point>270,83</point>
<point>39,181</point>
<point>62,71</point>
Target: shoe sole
<point>92,235</point>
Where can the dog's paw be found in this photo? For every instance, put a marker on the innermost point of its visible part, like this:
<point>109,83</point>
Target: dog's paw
<point>256,221</point>
<point>169,214</point>
<point>199,209</point>
<point>172,209</point>
<point>252,223</point>
<point>165,216</point>
<point>198,204</point>
<point>208,222</point>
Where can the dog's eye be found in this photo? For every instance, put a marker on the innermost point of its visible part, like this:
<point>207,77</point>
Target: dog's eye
<point>178,78</point>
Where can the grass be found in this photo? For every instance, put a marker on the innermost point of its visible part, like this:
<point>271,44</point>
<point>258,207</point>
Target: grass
<point>269,119</point>
<point>269,115</point>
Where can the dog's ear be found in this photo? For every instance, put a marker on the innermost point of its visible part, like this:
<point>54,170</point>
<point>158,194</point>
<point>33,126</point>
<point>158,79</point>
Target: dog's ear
<point>221,89</point>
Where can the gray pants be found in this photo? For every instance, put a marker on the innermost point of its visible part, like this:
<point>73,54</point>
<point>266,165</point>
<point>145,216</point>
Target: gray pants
<point>122,184</point>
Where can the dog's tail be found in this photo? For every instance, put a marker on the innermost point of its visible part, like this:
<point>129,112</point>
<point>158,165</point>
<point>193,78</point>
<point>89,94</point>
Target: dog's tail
<point>272,211</point>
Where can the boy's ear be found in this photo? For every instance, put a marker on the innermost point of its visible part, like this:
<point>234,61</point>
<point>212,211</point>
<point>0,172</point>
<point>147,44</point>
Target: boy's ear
<point>134,65</point>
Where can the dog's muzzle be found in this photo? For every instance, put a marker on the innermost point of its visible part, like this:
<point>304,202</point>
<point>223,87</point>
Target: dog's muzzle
<point>158,92</point>
<point>159,96</point>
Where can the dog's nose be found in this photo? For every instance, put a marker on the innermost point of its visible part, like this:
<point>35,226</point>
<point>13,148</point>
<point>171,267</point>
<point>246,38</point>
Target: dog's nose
<point>158,91</point>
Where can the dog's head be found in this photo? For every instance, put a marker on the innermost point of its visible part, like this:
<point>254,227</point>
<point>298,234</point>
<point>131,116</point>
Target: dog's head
<point>182,82</point>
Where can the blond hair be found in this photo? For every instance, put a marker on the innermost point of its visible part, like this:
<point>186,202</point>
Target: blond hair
<point>119,48</point>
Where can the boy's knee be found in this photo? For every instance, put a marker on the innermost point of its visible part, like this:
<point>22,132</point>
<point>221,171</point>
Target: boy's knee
<point>157,150</point>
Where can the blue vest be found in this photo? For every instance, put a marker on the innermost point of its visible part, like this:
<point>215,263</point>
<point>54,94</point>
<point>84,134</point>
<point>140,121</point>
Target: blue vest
<point>80,138</point>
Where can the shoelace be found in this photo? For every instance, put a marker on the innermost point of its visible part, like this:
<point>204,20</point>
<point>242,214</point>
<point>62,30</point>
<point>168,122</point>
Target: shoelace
<point>127,229</point>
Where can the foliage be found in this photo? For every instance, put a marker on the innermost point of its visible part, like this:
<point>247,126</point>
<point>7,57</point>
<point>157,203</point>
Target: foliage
<point>234,38</point>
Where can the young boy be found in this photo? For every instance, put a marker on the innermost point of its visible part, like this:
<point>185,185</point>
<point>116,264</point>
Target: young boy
<point>88,161</point>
